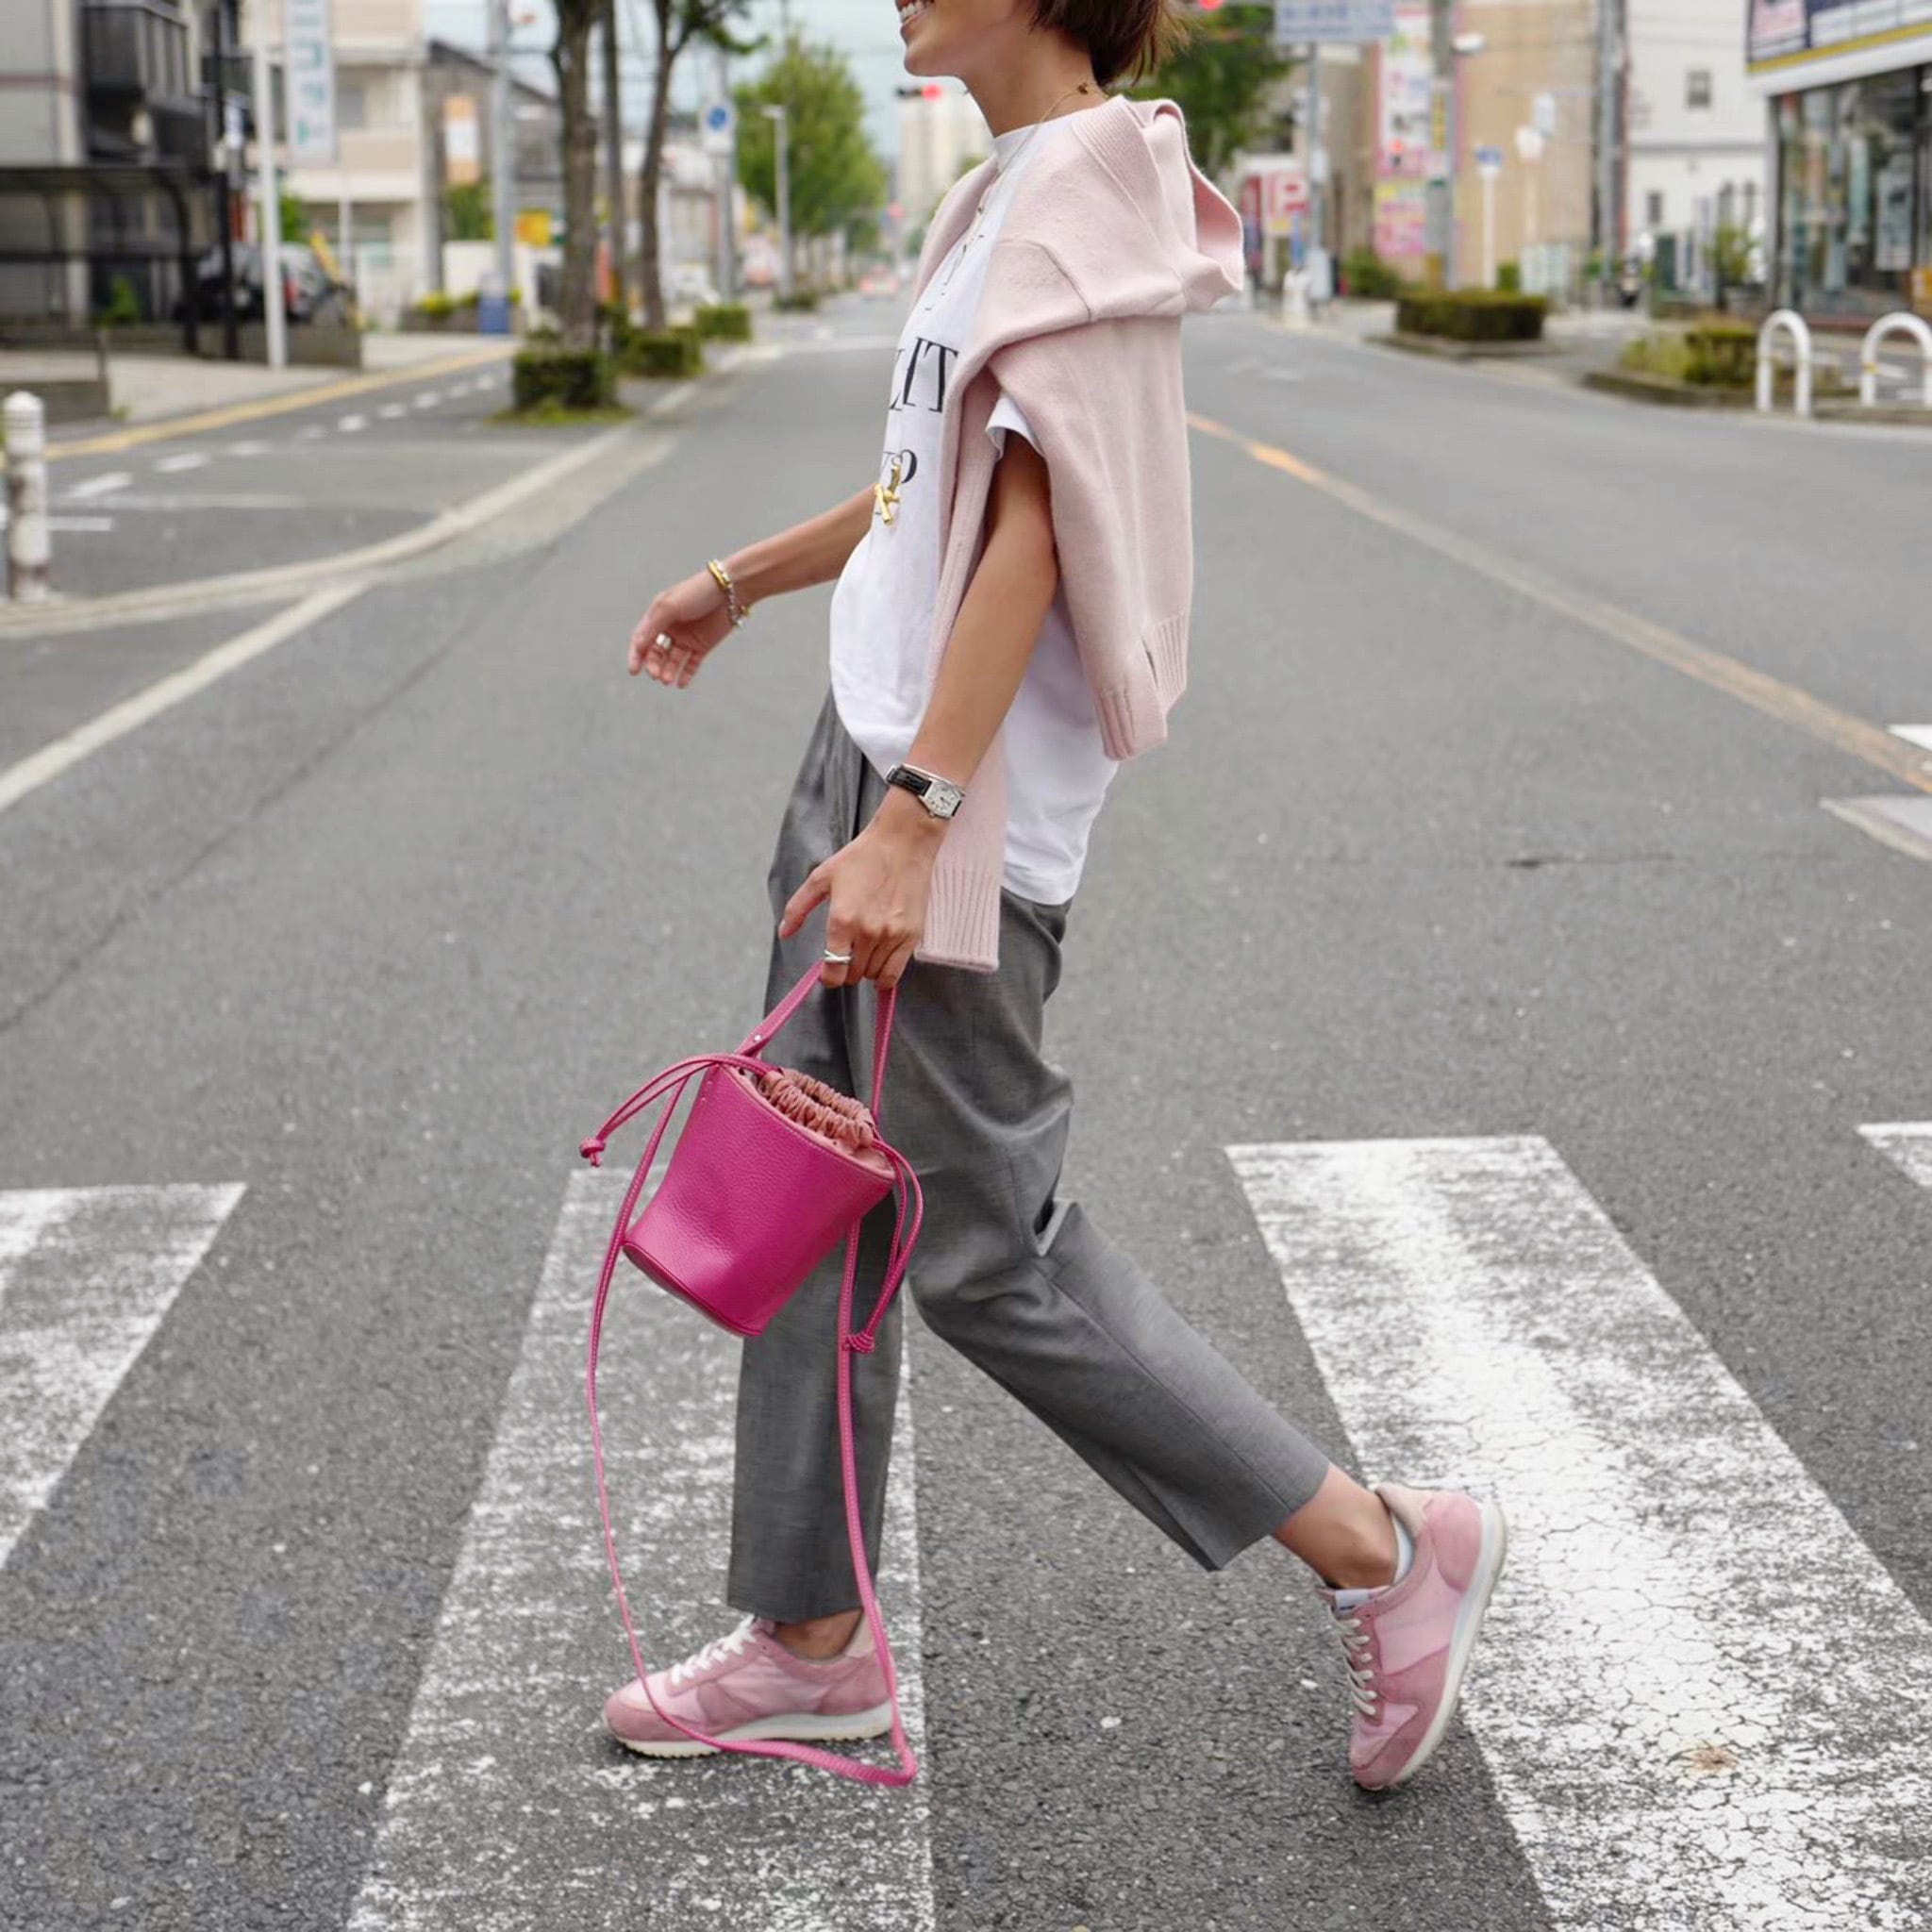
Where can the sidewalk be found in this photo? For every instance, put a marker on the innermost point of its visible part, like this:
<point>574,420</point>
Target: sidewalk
<point>150,389</point>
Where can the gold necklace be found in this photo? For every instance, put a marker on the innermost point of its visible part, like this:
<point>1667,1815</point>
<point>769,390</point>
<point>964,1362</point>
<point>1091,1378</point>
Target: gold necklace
<point>1083,87</point>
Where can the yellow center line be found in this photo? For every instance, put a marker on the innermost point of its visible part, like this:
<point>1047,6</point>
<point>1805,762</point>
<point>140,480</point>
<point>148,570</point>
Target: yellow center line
<point>1789,703</point>
<point>112,440</point>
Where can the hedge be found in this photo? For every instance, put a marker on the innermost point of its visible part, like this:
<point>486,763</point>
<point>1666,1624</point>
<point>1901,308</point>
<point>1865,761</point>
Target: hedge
<point>1723,353</point>
<point>673,352</point>
<point>1472,315</point>
<point>565,378</point>
<point>723,322</point>
<point>801,300</point>
<point>1365,275</point>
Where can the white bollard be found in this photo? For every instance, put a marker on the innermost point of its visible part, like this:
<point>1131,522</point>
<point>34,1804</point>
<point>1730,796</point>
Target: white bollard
<point>1792,324</point>
<point>29,548</point>
<point>1900,323</point>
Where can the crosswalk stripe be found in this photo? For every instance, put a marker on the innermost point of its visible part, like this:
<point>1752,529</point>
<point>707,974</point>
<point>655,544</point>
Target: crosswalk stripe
<point>507,1803</point>
<point>1701,1699</point>
<point>98,486</point>
<point>86,1277</point>
<point>1908,1145</point>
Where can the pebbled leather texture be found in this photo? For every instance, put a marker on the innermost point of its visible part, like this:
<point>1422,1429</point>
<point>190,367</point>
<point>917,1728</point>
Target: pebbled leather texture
<point>751,1201</point>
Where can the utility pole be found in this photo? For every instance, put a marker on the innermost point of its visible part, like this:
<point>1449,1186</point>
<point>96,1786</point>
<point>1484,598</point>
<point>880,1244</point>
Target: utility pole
<point>613,153</point>
<point>223,144</point>
<point>728,181</point>
<point>1609,128</point>
<point>503,152</point>
<point>1440,235</point>
<point>1314,258</point>
<point>274,316</point>
<point>782,133</point>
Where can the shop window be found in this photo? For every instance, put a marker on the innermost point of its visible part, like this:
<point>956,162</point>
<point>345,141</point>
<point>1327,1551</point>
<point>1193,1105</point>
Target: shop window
<point>1697,88</point>
<point>1654,208</point>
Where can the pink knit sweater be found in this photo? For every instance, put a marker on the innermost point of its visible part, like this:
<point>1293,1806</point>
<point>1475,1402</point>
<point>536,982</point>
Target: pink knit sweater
<point>1112,235</point>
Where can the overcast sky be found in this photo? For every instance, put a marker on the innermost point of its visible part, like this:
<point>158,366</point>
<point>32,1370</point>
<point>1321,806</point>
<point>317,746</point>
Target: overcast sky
<point>865,31</point>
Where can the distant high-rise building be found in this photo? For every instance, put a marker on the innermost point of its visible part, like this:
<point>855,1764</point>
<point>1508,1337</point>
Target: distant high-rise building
<point>941,132</point>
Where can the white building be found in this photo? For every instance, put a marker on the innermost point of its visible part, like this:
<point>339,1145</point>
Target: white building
<point>941,132</point>
<point>1696,148</point>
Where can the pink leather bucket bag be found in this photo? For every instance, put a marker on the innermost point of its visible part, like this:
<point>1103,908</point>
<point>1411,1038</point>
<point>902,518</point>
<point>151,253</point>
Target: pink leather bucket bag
<point>770,1169</point>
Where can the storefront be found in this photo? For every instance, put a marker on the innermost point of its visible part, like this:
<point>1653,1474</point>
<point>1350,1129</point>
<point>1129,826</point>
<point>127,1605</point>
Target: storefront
<point>1849,84</point>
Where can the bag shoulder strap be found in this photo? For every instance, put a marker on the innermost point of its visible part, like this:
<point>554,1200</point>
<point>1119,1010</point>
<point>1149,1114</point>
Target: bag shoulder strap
<point>668,1086</point>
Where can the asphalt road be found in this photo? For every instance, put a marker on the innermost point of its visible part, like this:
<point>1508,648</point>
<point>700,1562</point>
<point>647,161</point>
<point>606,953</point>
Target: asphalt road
<point>375,928</point>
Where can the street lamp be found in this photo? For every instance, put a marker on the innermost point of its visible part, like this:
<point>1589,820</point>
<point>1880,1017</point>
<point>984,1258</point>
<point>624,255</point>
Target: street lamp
<point>778,117</point>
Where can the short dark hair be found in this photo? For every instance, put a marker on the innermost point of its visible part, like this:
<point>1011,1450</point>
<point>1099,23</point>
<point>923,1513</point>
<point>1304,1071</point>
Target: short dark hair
<point>1122,37</point>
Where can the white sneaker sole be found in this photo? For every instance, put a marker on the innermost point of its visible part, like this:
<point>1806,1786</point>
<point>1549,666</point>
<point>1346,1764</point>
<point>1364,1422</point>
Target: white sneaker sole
<point>1469,1626</point>
<point>798,1729</point>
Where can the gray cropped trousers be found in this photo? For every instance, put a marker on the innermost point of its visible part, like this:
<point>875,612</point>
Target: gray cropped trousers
<point>1015,1277</point>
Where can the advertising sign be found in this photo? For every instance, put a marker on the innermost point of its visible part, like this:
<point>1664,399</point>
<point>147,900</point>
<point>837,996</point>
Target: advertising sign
<point>1790,33</point>
<point>1403,120</point>
<point>311,85</point>
<point>1402,217</point>
<point>1298,22</point>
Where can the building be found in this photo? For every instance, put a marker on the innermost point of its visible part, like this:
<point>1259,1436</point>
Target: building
<point>942,133</point>
<point>376,203</point>
<point>1848,88</point>
<point>1694,166</point>
<point>103,157</point>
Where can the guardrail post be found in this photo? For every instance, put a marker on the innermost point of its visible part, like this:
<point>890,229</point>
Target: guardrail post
<point>1792,322</point>
<point>1899,322</point>
<point>29,547</point>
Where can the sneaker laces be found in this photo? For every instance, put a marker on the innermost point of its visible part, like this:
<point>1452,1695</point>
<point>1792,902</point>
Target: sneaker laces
<point>714,1652</point>
<point>1358,1655</point>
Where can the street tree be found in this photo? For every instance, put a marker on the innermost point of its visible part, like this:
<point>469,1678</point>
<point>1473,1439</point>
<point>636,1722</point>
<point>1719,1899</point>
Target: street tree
<point>1227,80</point>
<point>836,182</point>
<point>571,57</point>
<point>679,22</point>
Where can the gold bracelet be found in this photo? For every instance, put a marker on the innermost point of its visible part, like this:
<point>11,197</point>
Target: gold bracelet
<point>722,578</point>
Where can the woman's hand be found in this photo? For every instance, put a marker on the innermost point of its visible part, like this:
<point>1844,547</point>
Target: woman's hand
<point>878,886</point>
<point>680,630</point>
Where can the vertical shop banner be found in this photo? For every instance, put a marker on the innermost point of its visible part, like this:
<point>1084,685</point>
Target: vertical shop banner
<point>1402,220</point>
<point>1785,32</point>
<point>312,84</point>
<point>1408,70</point>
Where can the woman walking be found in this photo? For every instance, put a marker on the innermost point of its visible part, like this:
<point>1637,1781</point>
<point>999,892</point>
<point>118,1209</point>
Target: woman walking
<point>1010,623</point>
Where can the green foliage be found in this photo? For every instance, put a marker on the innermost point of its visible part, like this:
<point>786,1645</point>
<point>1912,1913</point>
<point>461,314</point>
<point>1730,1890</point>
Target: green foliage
<point>295,217</point>
<point>1472,315</point>
<point>676,353</point>
<point>836,178</point>
<point>121,306</point>
<point>802,301</point>
<point>467,214</point>
<point>563,380</point>
<point>1510,277</point>
<point>1731,255</point>
<point>1227,80</point>
<point>1712,353</point>
<point>724,322</point>
<point>437,304</point>
<point>1365,275</point>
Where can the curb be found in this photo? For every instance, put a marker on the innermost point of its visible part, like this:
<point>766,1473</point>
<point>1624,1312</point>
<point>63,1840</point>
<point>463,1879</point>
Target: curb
<point>292,579</point>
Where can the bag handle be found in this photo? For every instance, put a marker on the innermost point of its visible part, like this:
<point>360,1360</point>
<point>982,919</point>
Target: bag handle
<point>670,1085</point>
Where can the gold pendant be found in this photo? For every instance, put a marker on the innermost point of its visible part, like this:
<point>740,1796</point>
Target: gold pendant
<point>885,494</point>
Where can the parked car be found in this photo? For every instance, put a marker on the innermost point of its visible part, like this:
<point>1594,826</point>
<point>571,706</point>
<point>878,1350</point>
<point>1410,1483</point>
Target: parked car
<point>310,292</point>
<point>690,281</point>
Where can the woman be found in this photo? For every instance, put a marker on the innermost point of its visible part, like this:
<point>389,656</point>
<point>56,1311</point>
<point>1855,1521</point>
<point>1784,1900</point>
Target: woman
<point>1009,623</point>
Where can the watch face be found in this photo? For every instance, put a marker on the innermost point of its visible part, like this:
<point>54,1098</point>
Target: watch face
<point>943,798</point>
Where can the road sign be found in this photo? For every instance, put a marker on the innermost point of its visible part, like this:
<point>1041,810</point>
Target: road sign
<point>1297,22</point>
<point>1530,144</point>
<point>1488,161</point>
<point>1283,194</point>
<point>720,128</point>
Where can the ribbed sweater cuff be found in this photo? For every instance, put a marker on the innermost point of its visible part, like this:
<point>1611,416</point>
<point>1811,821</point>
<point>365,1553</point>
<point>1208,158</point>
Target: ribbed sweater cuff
<point>962,919</point>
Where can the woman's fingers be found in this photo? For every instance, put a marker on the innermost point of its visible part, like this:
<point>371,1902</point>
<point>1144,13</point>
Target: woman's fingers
<point>798,908</point>
<point>894,968</point>
<point>838,940</point>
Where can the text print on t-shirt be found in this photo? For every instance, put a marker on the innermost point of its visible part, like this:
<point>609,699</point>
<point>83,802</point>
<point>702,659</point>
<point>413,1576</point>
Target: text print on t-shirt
<point>920,371</point>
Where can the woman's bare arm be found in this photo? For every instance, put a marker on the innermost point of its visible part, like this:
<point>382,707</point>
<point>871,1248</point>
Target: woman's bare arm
<point>689,621</point>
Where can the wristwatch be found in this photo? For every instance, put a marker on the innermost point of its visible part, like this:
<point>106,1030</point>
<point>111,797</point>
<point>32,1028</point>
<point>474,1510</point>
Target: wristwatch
<point>940,796</point>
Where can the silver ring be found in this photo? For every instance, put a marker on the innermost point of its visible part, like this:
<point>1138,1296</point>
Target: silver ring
<point>836,959</point>
<point>663,639</point>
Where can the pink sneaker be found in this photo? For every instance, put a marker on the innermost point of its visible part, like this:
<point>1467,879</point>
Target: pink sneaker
<point>1408,1645</point>
<point>748,1685</point>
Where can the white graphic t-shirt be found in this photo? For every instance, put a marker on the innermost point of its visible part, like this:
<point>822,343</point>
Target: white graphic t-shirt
<point>884,608</point>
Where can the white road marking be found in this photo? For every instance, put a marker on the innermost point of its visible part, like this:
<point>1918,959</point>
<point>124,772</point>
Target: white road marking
<point>205,499</point>
<point>458,388</point>
<point>68,523</point>
<point>1908,1145</point>
<point>312,433</point>
<point>349,424</point>
<point>487,379</point>
<point>86,1277</point>
<point>1920,735</point>
<point>508,1806</point>
<point>253,447</point>
<point>428,399</point>
<point>1901,821</point>
<point>40,768</point>
<point>1704,1703</point>
<point>98,486</point>
<point>188,460</point>
<point>390,412</point>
